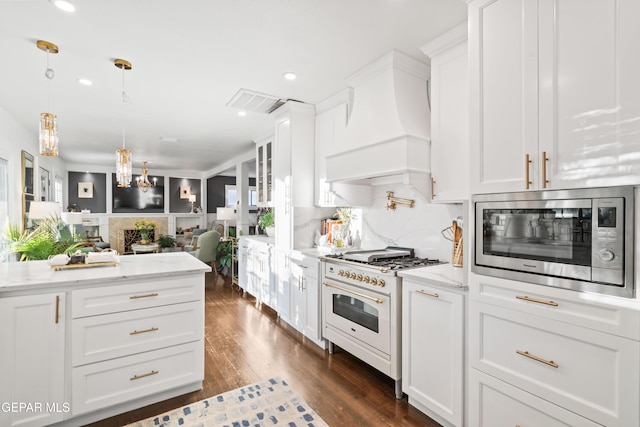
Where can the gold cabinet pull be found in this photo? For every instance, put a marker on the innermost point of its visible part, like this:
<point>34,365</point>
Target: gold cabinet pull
<point>527,162</point>
<point>545,159</point>
<point>431,294</point>
<point>539,301</point>
<point>537,359</point>
<point>143,331</point>
<point>57,318</point>
<point>433,188</point>
<point>137,377</point>
<point>144,296</point>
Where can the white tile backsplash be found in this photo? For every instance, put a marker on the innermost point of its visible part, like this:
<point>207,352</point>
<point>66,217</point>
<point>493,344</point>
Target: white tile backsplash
<point>418,227</point>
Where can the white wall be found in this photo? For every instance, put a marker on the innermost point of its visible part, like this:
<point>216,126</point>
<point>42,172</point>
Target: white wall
<point>13,139</point>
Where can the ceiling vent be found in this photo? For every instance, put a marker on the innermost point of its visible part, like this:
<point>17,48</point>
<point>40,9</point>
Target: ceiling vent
<point>255,102</point>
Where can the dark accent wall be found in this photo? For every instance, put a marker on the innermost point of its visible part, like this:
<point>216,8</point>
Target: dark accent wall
<point>215,191</point>
<point>97,204</point>
<point>178,205</point>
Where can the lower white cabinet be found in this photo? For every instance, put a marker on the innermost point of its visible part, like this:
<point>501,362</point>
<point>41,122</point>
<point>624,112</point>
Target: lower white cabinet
<point>133,340</point>
<point>577,350</point>
<point>494,403</point>
<point>433,350</point>
<point>114,381</point>
<point>305,297</point>
<point>32,360</point>
<point>243,247</point>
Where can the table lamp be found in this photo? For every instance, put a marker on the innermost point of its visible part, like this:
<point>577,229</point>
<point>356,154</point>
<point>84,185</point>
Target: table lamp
<point>72,218</point>
<point>225,214</point>
<point>192,199</point>
<point>44,210</point>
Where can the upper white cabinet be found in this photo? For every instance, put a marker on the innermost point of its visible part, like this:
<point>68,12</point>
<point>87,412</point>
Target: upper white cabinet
<point>449,115</point>
<point>32,359</point>
<point>554,94</point>
<point>293,166</point>
<point>264,176</point>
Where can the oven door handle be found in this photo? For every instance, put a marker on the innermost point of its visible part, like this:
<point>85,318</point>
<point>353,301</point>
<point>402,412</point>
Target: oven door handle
<point>377,300</point>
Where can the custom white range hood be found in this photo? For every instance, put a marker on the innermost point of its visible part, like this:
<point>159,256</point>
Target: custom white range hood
<point>388,137</point>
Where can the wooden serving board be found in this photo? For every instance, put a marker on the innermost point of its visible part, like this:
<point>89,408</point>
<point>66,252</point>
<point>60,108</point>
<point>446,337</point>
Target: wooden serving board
<point>82,265</point>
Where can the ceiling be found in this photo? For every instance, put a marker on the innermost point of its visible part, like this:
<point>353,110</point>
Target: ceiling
<point>189,58</point>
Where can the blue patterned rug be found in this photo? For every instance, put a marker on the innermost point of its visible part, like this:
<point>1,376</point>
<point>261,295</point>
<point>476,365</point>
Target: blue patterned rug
<point>269,403</point>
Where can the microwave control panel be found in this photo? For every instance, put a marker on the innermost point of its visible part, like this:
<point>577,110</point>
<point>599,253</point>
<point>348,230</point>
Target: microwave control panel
<point>608,234</point>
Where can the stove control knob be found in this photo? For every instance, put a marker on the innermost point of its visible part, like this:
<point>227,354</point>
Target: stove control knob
<point>374,281</point>
<point>366,279</point>
<point>381,282</point>
<point>353,275</point>
<point>341,273</point>
<point>360,278</point>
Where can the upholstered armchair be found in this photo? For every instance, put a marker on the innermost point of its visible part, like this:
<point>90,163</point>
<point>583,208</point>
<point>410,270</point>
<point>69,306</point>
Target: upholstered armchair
<point>207,248</point>
<point>193,244</point>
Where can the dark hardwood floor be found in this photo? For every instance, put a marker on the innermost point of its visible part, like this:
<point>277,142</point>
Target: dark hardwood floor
<point>245,344</point>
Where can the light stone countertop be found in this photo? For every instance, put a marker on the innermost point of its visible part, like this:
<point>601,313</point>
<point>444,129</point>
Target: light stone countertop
<point>444,275</point>
<point>38,275</point>
<point>260,238</point>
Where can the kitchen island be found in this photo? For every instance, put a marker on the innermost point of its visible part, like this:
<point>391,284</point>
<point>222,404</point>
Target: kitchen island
<point>87,343</point>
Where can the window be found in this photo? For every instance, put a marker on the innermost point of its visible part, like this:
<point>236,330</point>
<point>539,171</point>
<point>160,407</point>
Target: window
<point>231,197</point>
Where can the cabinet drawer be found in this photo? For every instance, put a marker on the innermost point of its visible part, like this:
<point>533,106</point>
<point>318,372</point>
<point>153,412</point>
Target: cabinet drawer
<point>136,295</point>
<point>99,338</point>
<point>494,403</point>
<point>618,316</point>
<point>104,384</point>
<point>590,373</point>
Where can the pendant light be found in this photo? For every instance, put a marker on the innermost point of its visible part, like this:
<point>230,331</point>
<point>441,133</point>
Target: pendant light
<point>123,155</point>
<point>48,134</point>
<point>143,180</point>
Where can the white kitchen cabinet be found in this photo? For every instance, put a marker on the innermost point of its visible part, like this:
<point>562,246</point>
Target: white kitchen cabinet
<point>305,296</point>
<point>330,124</point>
<point>449,115</point>
<point>263,272</point>
<point>574,349</point>
<point>293,166</point>
<point>264,172</point>
<point>282,279</point>
<point>243,276</point>
<point>32,359</point>
<point>433,350</point>
<point>494,403</point>
<point>553,94</point>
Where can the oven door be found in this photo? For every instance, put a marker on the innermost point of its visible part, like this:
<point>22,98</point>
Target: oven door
<point>359,313</point>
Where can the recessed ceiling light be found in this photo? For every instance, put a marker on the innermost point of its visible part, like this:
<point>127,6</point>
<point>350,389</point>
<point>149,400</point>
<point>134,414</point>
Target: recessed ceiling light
<point>84,82</point>
<point>242,113</point>
<point>289,75</point>
<point>64,5</point>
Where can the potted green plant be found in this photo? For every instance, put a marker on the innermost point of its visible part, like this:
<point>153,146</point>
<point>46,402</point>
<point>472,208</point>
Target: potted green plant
<point>267,223</point>
<point>167,242</point>
<point>144,227</point>
<point>45,240</point>
<point>224,254</point>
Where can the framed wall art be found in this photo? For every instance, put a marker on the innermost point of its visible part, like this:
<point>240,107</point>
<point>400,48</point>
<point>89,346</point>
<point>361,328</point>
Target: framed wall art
<point>185,191</point>
<point>85,190</point>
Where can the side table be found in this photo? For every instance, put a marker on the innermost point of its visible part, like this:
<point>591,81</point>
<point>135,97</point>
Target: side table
<point>144,249</point>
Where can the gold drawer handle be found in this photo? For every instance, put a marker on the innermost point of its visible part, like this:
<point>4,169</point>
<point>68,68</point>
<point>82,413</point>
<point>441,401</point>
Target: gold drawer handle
<point>137,377</point>
<point>428,293</point>
<point>539,301</point>
<point>144,296</point>
<point>143,331</point>
<point>537,359</point>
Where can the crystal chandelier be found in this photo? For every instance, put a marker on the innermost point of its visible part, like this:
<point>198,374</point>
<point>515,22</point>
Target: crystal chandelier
<point>124,170</point>
<point>143,180</point>
<point>48,134</point>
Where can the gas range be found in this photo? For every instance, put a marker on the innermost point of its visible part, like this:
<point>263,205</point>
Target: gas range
<point>388,260</point>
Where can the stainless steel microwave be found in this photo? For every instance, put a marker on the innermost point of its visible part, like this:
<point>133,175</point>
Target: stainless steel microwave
<point>573,239</point>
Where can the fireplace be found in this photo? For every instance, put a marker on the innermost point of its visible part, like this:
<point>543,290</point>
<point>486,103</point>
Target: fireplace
<point>123,233</point>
